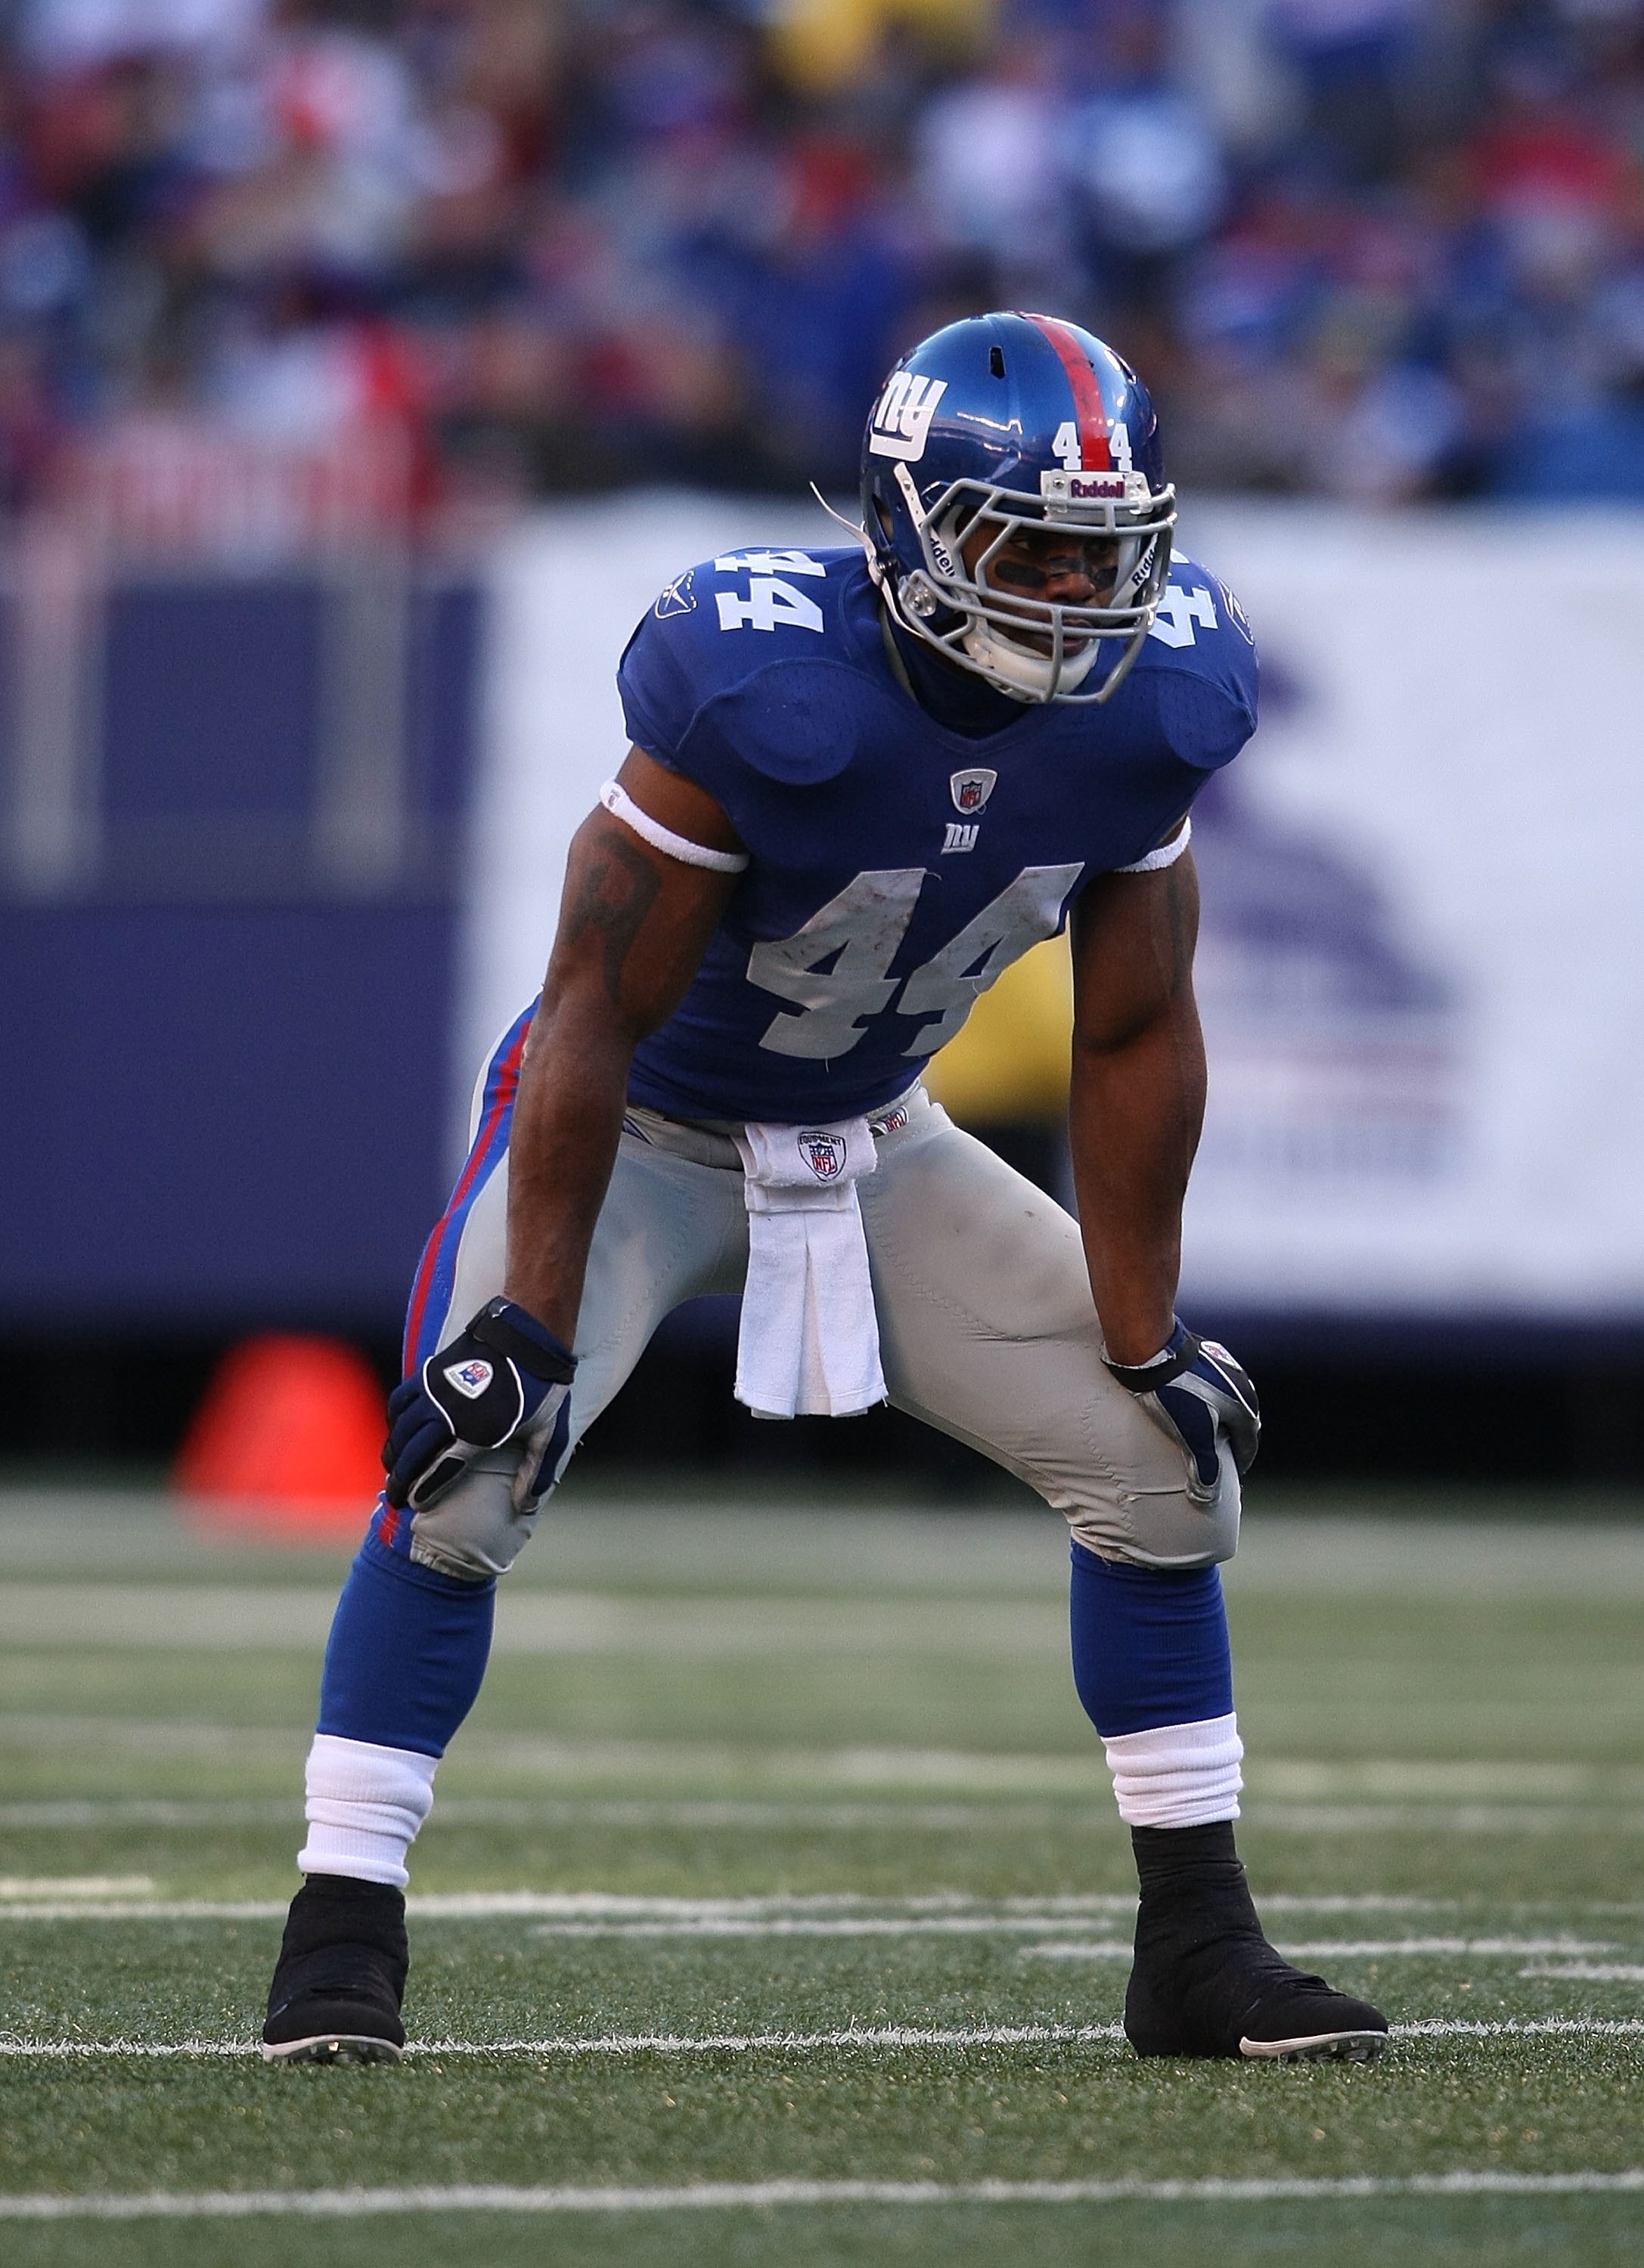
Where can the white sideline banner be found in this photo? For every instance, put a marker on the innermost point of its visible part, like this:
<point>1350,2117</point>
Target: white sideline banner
<point>1422,970</point>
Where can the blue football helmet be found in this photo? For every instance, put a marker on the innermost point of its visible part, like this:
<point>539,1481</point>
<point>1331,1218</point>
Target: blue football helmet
<point>1004,423</point>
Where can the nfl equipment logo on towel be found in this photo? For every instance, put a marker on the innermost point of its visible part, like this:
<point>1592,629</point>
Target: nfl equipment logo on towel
<point>971,790</point>
<point>823,1154</point>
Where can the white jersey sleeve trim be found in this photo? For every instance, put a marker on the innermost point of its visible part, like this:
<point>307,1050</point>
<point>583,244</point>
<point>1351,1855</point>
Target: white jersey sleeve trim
<point>1166,855</point>
<point>621,806</point>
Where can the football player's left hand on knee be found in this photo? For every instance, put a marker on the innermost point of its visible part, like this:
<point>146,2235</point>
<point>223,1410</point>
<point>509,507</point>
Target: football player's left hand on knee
<point>504,1378</point>
<point>1201,1397</point>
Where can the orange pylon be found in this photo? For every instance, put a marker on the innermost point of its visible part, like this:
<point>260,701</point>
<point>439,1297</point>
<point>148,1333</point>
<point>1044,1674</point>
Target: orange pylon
<point>286,1442</point>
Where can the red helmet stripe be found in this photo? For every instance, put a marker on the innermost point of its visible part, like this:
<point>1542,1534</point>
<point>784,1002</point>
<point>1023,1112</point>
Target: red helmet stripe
<point>1089,411</point>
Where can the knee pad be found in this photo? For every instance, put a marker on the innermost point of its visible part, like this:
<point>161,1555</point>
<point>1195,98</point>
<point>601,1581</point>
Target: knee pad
<point>476,1531</point>
<point>1148,1519</point>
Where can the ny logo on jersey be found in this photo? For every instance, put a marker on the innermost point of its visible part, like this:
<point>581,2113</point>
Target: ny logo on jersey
<point>824,1154</point>
<point>971,790</point>
<point>470,1377</point>
<point>902,415</point>
<point>958,837</point>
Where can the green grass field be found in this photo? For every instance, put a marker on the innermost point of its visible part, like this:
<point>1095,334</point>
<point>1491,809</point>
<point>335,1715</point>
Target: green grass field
<point>778,1858</point>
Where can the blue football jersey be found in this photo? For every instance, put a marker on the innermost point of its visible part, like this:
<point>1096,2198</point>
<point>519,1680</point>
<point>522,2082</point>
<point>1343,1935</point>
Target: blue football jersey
<point>895,866</point>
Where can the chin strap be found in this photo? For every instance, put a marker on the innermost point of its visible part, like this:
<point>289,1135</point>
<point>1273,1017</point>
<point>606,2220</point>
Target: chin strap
<point>855,530</point>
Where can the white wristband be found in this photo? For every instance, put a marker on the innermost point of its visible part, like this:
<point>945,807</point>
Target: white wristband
<point>1166,855</point>
<point>621,806</point>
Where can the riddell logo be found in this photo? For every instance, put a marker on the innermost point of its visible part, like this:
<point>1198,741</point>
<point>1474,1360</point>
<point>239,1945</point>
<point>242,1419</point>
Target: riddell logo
<point>902,417</point>
<point>1092,488</point>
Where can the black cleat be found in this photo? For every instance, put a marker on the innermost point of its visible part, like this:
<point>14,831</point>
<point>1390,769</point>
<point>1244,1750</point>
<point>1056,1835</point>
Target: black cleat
<point>340,1977</point>
<point>1206,1981</point>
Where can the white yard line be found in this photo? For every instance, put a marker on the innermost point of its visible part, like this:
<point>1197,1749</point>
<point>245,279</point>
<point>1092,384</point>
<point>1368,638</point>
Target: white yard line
<point>1365,1948</point>
<point>236,1617</point>
<point>853,1926</point>
<point>753,1815</point>
<point>624,2043</point>
<point>1444,1818</point>
<point>1075,1776</point>
<point>1077,1773</point>
<point>13,1887</point>
<point>798,1543</point>
<point>1591,1972</point>
<point>145,1909</point>
<point>243,2205</point>
<point>605,1916</point>
<point>888,2036</point>
<point>631,1906</point>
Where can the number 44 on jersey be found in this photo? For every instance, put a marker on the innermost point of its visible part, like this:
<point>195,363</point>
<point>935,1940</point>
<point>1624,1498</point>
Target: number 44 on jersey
<point>858,934</point>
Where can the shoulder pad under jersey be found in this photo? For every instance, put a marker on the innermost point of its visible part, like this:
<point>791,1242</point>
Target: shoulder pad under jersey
<point>1198,668</point>
<point>744,658</point>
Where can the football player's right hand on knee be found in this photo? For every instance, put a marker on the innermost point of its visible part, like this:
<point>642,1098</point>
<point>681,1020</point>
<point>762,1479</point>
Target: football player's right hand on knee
<point>1200,1397</point>
<point>504,1378</point>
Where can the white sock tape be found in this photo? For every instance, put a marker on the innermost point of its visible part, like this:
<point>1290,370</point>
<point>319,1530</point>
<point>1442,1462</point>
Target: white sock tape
<point>1177,1775</point>
<point>364,1806</point>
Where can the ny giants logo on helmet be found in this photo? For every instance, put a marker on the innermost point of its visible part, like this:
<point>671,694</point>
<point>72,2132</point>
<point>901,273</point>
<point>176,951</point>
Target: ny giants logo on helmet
<point>824,1154</point>
<point>901,421</point>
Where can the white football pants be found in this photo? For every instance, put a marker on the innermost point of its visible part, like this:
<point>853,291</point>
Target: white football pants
<point>986,1323</point>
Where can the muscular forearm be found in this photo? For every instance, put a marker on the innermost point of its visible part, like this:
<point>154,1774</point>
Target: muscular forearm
<point>566,1122</point>
<point>1136,1109</point>
<point>633,926</point>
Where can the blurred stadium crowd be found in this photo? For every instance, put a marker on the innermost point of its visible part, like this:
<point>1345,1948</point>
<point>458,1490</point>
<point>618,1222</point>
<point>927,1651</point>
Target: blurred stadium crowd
<point>1368,248</point>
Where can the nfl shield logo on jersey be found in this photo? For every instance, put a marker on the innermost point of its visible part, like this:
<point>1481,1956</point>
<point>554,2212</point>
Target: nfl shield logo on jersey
<point>470,1377</point>
<point>824,1154</point>
<point>971,790</point>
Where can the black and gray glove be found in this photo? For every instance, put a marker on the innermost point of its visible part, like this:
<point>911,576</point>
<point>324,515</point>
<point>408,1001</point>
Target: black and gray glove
<point>1200,1397</point>
<point>504,1378</point>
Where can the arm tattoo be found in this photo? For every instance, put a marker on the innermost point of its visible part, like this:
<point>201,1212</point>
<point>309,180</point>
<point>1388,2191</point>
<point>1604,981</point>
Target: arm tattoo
<point>615,893</point>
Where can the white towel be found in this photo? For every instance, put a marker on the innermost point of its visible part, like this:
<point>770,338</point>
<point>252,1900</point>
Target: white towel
<point>809,1341</point>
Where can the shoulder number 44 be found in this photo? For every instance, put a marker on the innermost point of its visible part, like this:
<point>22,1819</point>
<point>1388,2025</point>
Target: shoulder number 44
<point>772,601</point>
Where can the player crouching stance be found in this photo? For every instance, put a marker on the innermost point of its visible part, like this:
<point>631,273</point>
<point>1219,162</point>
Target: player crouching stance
<point>860,789</point>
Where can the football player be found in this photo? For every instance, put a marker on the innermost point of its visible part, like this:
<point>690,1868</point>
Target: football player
<point>862,782</point>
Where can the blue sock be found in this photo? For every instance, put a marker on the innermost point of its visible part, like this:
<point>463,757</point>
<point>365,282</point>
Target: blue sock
<point>1150,1644</point>
<point>406,1655</point>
